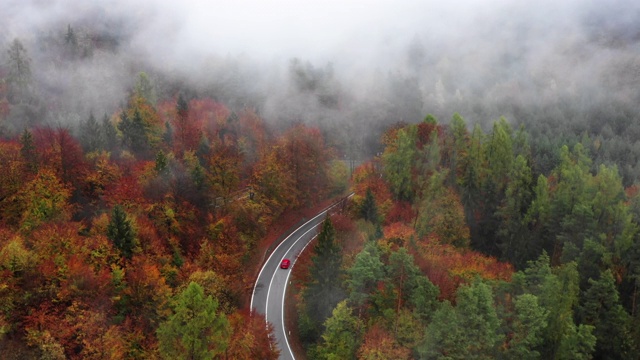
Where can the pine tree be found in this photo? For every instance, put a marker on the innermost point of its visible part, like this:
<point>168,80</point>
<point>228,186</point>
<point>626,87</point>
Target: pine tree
<point>468,331</point>
<point>109,133</point>
<point>121,232</point>
<point>602,309</point>
<point>28,151</point>
<point>325,291</point>
<point>92,138</point>
<point>19,76</point>
<point>528,325</point>
<point>364,274</point>
<point>369,210</point>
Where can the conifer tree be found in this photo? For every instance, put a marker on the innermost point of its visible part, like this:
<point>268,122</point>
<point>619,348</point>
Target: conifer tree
<point>121,232</point>
<point>325,291</point>
<point>369,210</point>
<point>28,151</point>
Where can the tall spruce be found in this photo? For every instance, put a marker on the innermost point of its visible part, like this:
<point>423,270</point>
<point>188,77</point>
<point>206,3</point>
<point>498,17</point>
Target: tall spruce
<point>325,290</point>
<point>369,209</point>
<point>121,232</point>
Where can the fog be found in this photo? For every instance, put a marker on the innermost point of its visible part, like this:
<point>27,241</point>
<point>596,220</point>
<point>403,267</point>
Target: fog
<point>336,63</point>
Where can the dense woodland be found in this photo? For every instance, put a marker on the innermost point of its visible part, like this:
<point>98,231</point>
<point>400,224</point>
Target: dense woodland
<point>514,237</point>
<point>115,231</point>
<point>464,251</point>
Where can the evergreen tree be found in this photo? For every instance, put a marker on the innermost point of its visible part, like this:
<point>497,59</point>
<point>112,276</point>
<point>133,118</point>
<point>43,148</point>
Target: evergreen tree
<point>342,335</point>
<point>578,343</point>
<point>195,330</point>
<point>460,148</point>
<point>468,331</point>
<point>71,42</point>
<point>121,232</point>
<point>368,209</point>
<point>92,137</point>
<point>161,163</point>
<point>528,326</point>
<point>602,310</point>
<point>145,88</point>
<point>28,151</point>
<point>325,291</point>
<point>19,76</point>
<point>109,133</point>
<point>516,245</point>
<point>134,132</point>
<point>364,274</point>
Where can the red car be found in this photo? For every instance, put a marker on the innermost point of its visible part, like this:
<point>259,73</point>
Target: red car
<point>285,264</point>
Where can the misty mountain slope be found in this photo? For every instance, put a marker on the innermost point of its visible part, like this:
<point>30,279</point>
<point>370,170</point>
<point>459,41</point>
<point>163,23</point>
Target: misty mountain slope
<point>561,69</point>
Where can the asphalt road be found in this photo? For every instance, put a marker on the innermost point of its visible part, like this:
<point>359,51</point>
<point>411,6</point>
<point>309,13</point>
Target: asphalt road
<point>270,288</point>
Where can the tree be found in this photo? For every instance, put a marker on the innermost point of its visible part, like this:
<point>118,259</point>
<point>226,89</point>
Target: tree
<point>28,151</point>
<point>250,339</point>
<point>398,161</point>
<point>45,198</point>
<point>109,133</point>
<point>134,132</point>
<point>19,76</point>
<point>324,291</point>
<point>514,236</point>
<point>187,128</point>
<point>602,310</point>
<point>91,135</point>
<point>380,345</point>
<point>364,274</point>
<point>195,330</point>
<point>468,331</point>
<point>145,89</point>
<point>121,232</point>
<point>368,209</point>
<point>528,325</point>
<point>341,337</point>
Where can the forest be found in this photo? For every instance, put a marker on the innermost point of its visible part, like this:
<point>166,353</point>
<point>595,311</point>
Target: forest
<point>495,215</point>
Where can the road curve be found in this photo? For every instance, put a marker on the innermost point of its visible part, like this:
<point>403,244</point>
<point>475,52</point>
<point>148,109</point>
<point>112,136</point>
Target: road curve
<point>271,285</point>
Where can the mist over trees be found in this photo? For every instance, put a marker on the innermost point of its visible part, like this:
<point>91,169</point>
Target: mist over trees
<point>146,156</point>
<point>563,73</point>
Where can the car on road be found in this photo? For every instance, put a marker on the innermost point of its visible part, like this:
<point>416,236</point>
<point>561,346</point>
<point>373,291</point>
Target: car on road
<point>285,264</point>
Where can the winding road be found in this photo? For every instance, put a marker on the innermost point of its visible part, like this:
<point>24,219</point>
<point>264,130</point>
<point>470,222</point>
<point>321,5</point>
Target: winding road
<point>269,291</point>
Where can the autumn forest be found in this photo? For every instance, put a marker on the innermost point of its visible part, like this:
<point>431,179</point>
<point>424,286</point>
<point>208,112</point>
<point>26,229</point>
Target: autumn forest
<point>136,228</point>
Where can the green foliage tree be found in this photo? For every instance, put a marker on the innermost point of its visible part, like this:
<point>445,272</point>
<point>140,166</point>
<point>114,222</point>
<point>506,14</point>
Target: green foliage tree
<point>471,330</point>
<point>398,161</point>
<point>578,343</point>
<point>528,325</point>
<point>195,330</point>
<point>557,291</point>
<point>602,309</point>
<point>364,274</point>
<point>121,232</point>
<point>459,148</point>
<point>514,236</point>
<point>342,335</point>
